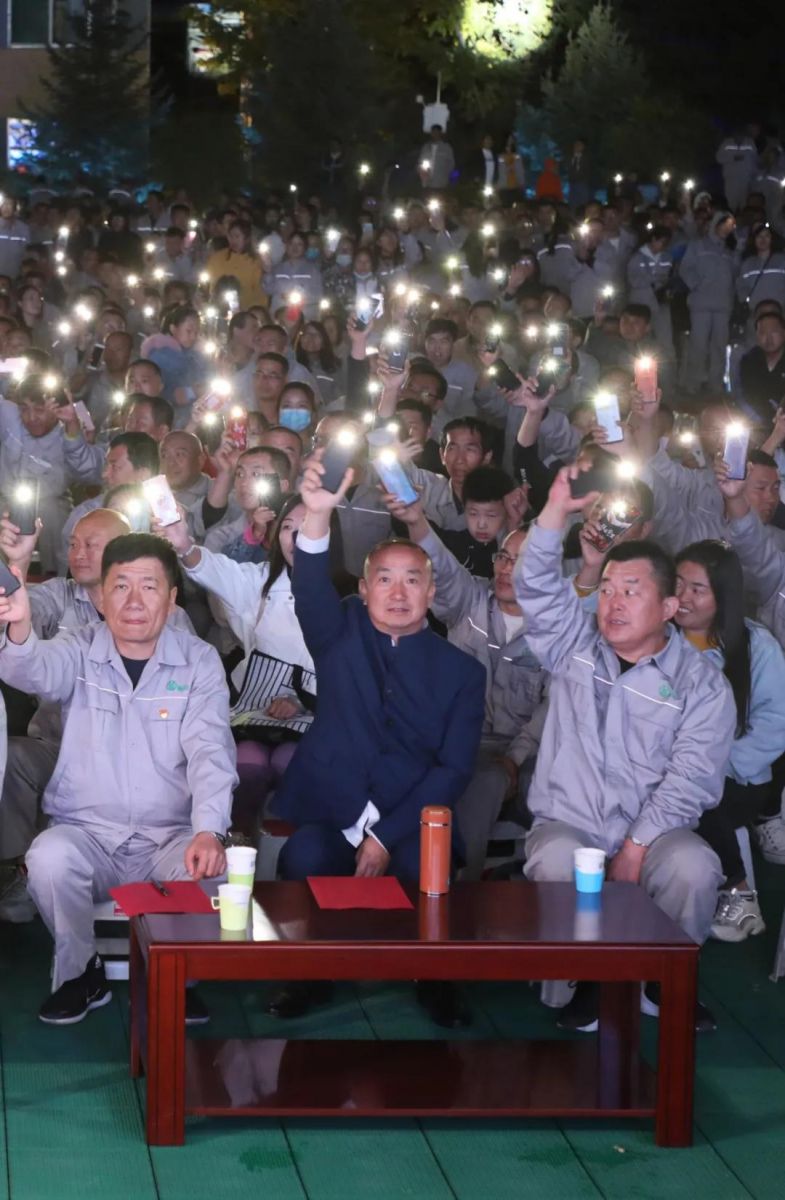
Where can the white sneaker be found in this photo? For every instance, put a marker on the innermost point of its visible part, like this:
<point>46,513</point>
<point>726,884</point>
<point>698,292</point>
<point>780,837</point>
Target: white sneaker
<point>770,838</point>
<point>738,915</point>
<point>16,905</point>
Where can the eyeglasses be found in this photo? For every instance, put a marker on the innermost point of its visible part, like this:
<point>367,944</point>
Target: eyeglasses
<point>501,556</point>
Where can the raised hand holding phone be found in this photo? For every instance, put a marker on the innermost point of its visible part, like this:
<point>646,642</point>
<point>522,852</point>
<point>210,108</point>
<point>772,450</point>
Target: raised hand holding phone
<point>14,605</point>
<point>16,546</point>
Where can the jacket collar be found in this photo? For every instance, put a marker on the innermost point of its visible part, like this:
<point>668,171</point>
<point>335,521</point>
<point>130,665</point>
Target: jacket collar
<point>167,651</point>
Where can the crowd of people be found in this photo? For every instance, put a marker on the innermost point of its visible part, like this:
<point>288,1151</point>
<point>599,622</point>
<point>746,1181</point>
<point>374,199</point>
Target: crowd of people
<point>329,513</point>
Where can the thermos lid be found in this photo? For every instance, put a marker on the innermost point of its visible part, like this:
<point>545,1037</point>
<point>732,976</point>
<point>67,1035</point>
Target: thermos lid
<point>436,814</point>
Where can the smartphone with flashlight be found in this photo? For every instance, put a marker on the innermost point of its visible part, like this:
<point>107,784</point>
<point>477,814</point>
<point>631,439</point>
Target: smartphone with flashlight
<point>161,499</point>
<point>338,457</point>
<point>493,336</point>
<point>389,469</point>
<point>503,377</point>
<point>268,489</point>
<point>8,582</point>
<point>13,366</point>
<point>83,416</point>
<point>363,310</point>
<point>606,406</point>
<point>397,350</point>
<point>619,516</point>
<point>737,441</point>
<point>96,357</point>
<point>236,429</point>
<point>23,508</point>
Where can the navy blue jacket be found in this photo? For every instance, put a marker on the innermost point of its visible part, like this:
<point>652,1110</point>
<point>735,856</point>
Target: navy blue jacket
<point>398,725</point>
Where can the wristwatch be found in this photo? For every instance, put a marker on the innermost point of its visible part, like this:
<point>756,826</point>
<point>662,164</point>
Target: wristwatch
<point>221,837</point>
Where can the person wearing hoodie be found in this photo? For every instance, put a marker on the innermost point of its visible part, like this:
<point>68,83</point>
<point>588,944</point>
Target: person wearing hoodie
<point>183,367</point>
<point>709,270</point>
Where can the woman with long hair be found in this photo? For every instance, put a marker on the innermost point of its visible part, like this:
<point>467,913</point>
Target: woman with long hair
<point>710,588</point>
<point>239,259</point>
<point>275,684</point>
<point>314,350</point>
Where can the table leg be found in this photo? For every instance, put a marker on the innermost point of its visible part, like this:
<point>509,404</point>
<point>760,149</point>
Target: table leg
<point>676,1050</point>
<point>619,1041</point>
<point>137,991</point>
<point>165,1048</point>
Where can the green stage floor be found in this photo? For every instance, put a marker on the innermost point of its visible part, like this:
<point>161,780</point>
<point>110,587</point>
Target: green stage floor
<point>74,1119</point>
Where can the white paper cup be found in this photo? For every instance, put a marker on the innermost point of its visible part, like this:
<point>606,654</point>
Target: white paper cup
<point>232,903</point>
<point>589,869</point>
<point>241,865</point>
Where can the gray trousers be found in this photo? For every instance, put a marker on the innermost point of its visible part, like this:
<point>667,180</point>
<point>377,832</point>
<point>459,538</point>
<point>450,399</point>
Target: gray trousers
<point>29,768</point>
<point>69,869</point>
<point>478,809</point>
<point>708,341</point>
<point>680,872</point>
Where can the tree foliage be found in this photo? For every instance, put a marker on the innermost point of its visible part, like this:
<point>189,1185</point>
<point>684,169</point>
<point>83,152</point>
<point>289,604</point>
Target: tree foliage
<point>96,108</point>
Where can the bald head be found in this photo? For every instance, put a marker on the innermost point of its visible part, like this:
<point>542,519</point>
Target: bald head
<point>89,538</point>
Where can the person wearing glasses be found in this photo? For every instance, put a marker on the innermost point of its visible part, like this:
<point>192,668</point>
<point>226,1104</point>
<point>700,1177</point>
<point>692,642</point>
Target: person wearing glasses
<point>485,620</point>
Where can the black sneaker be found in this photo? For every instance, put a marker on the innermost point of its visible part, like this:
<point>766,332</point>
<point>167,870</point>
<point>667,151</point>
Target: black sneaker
<point>74,999</point>
<point>581,1015</point>
<point>196,1011</point>
<point>705,1021</point>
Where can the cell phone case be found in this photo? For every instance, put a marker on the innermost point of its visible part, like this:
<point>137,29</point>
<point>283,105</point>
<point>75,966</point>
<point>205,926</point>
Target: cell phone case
<point>161,500</point>
<point>8,582</point>
<point>336,460</point>
<point>735,453</point>
<point>395,480</point>
<point>608,416</point>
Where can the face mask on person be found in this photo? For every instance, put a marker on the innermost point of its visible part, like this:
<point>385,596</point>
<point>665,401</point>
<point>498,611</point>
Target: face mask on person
<point>312,253</point>
<point>297,419</point>
<point>343,260</point>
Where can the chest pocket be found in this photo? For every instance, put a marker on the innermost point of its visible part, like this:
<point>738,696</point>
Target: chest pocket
<point>104,709</point>
<point>163,724</point>
<point>650,728</point>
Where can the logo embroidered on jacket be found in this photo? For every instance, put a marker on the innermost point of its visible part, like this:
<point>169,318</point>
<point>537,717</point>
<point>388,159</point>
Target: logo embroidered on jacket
<point>172,686</point>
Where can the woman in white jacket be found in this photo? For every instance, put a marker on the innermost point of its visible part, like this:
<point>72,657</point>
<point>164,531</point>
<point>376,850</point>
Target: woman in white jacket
<point>275,681</point>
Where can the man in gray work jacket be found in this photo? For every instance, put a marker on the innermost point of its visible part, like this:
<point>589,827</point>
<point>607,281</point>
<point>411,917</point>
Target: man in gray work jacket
<point>637,735</point>
<point>486,621</point>
<point>143,782</point>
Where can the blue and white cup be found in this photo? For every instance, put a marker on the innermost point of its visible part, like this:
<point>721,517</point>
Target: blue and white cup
<point>589,869</point>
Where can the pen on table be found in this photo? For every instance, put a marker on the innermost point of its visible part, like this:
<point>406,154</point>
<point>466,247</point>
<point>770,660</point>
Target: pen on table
<point>159,887</point>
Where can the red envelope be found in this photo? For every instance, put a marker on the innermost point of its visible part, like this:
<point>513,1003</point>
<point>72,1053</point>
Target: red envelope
<point>185,896</point>
<point>352,891</point>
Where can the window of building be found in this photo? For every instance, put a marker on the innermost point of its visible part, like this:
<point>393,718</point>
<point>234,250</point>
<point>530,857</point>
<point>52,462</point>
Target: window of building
<point>29,21</point>
<point>20,142</point>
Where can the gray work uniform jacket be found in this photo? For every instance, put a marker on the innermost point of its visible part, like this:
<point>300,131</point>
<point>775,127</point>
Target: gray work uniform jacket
<point>515,681</point>
<point>709,271</point>
<point>635,754</point>
<point>153,760</point>
<point>763,562</point>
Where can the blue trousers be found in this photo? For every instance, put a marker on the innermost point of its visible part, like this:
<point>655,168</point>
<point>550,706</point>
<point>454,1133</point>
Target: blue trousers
<point>322,850</point>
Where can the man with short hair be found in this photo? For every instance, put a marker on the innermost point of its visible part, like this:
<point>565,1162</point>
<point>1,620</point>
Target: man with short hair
<point>382,673</point>
<point>440,338</point>
<point>636,739</point>
<point>487,622</point>
<point>241,355</point>
<point>437,161</point>
<point>288,441</point>
<point>270,373</point>
<point>149,414</point>
<point>181,462</point>
<point>102,384</point>
<point>152,798</point>
<point>465,445</point>
<point>762,369</point>
<point>131,458</point>
<point>172,257</point>
<point>57,606</point>
<point>144,376</point>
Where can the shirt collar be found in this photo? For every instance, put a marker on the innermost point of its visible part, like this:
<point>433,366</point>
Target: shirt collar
<point>167,651</point>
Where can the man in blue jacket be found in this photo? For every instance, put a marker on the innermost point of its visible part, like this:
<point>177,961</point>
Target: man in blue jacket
<point>399,714</point>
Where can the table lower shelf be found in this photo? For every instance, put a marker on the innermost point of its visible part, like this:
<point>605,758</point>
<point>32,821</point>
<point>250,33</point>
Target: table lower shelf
<point>279,1077</point>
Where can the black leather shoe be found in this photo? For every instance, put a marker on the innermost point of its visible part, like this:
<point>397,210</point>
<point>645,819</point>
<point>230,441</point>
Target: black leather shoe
<point>75,998</point>
<point>196,1011</point>
<point>581,1014</point>
<point>296,999</point>
<point>443,1003</point>
<point>705,1021</point>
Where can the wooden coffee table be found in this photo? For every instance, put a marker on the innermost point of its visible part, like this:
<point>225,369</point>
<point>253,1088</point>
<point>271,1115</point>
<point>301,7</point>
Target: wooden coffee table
<point>481,931</point>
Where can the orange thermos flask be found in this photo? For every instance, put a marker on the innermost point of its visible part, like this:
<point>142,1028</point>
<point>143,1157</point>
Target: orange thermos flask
<point>435,845</point>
